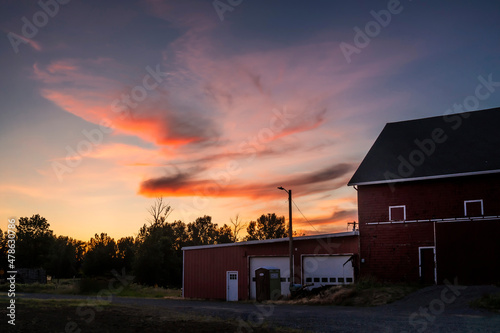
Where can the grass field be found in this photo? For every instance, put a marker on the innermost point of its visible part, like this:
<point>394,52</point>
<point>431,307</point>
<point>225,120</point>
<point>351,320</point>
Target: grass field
<point>92,287</point>
<point>366,292</point>
<point>91,316</point>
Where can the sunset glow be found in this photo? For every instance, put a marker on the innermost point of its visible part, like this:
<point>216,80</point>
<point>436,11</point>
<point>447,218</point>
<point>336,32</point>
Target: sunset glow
<point>114,103</point>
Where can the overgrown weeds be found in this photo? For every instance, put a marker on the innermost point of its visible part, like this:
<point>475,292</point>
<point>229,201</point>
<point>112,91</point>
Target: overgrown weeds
<point>366,292</point>
<point>487,301</point>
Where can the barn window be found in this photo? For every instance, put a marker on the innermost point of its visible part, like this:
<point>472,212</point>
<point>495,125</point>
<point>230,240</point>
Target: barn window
<point>324,279</point>
<point>397,213</point>
<point>316,279</point>
<point>333,279</point>
<point>341,280</point>
<point>473,208</point>
<point>309,279</point>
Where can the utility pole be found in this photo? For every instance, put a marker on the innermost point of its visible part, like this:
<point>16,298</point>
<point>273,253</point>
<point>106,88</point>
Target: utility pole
<point>290,234</point>
<point>353,223</point>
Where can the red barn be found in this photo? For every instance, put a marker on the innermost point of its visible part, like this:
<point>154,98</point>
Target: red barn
<point>429,200</point>
<point>227,271</point>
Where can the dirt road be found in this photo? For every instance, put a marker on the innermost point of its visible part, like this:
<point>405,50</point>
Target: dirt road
<point>432,309</point>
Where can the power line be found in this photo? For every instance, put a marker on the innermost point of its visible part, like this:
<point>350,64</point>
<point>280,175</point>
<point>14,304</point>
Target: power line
<point>304,216</point>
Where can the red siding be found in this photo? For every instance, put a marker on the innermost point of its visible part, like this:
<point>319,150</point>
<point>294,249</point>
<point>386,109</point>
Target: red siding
<point>390,251</point>
<point>442,198</point>
<point>468,252</point>
<point>205,269</point>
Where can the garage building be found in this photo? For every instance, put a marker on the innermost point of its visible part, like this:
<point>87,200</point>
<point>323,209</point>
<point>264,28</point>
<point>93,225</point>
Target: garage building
<point>227,271</point>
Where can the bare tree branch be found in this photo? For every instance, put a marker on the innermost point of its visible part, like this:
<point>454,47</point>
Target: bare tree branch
<point>159,211</point>
<point>237,226</point>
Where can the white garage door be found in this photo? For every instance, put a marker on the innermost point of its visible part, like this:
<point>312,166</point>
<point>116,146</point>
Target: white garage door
<point>327,270</point>
<point>283,263</point>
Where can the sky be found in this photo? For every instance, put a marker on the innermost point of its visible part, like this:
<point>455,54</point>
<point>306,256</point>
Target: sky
<point>106,105</point>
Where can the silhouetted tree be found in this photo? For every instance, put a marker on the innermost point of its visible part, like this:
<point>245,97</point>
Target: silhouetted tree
<point>3,251</point>
<point>181,236</point>
<point>156,261</point>
<point>126,252</point>
<point>202,231</point>
<point>159,211</point>
<point>101,256</point>
<point>33,241</point>
<point>225,235</point>
<point>267,226</point>
<point>237,227</point>
<point>64,260</point>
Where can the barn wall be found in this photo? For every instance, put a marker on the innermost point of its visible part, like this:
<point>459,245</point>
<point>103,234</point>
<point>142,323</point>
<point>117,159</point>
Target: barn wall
<point>441,198</point>
<point>390,251</point>
<point>205,268</point>
<point>468,251</point>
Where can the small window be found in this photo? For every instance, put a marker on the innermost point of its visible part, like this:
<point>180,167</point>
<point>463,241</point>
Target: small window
<point>348,280</point>
<point>341,280</point>
<point>309,280</point>
<point>316,279</point>
<point>233,277</point>
<point>397,213</point>
<point>324,279</point>
<point>473,208</point>
<point>282,279</point>
<point>253,279</point>
<point>333,280</point>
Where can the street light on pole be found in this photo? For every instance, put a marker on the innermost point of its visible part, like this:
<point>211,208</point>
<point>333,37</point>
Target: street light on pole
<point>290,234</point>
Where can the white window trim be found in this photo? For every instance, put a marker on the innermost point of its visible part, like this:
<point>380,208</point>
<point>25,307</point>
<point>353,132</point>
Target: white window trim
<point>470,201</point>
<point>404,212</point>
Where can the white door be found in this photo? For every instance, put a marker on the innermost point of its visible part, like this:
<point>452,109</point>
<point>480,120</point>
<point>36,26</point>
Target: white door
<point>232,285</point>
<point>327,270</point>
<point>283,263</point>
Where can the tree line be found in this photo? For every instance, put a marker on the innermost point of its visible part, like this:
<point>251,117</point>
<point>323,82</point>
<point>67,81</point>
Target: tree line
<point>153,256</point>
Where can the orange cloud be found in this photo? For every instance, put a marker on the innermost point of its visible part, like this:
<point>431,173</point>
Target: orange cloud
<point>187,184</point>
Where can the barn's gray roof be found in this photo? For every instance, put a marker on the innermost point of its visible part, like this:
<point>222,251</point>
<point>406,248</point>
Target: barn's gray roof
<point>472,147</point>
<point>274,240</point>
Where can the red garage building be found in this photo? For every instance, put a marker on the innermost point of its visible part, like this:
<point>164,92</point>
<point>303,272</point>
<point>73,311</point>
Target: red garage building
<point>227,271</point>
<point>429,200</point>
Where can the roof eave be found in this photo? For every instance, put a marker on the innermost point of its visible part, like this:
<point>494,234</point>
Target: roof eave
<point>401,180</point>
<point>274,240</point>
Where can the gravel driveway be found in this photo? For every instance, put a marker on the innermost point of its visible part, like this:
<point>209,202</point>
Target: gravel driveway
<point>432,309</point>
